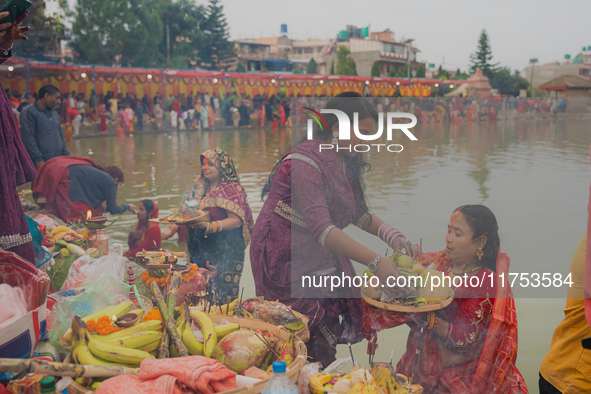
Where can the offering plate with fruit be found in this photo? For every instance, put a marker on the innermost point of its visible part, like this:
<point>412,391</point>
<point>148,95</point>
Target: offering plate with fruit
<point>433,293</point>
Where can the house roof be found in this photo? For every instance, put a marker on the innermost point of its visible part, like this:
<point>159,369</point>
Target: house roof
<point>564,82</point>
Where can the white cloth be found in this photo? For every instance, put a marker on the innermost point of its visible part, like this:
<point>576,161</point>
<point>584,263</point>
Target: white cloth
<point>76,124</point>
<point>173,119</point>
<point>15,298</point>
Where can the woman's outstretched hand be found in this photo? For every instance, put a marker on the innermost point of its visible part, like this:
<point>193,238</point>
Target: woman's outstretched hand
<point>399,243</point>
<point>9,32</point>
<point>388,273</point>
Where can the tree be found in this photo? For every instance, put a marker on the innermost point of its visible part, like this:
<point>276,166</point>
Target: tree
<point>404,72</point>
<point>182,34</point>
<point>240,68</point>
<point>127,38</point>
<point>375,69</point>
<point>441,73</point>
<point>392,72</point>
<point>332,67</point>
<point>420,71</point>
<point>345,63</point>
<point>43,38</point>
<point>297,70</point>
<point>311,67</point>
<point>507,83</point>
<point>482,58</point>
<point>218,49</point>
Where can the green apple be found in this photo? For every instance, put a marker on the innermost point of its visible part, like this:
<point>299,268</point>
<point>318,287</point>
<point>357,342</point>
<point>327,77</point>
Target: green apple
<point>404,261</point>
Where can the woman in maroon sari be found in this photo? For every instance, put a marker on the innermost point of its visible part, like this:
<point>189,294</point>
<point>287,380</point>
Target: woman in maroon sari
<point>471,345</point>
<point>312,196</point>
<point>16,167</point>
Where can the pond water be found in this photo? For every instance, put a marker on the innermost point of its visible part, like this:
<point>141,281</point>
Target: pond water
<point>533,174</point>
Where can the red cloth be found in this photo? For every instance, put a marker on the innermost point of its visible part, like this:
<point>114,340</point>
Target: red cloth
<point>196,374</point>
<point>483,321</point>
<point>53,183</point>
<point>152,237</point>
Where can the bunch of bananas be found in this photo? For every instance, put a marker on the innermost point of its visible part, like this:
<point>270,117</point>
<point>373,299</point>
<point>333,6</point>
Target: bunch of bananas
<point>211,333</point>
<point>234,308</point>
<point>127,347</point>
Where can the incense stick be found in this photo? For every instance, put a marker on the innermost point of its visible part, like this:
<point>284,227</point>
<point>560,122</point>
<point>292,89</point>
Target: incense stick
<point>351,351</point>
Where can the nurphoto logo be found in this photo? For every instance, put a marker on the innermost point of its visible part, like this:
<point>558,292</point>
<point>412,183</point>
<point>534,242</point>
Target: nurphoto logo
<point>344,133</point>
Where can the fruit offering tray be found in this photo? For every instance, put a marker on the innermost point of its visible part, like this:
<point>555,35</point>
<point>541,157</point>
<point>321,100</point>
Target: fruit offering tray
<point>176,218</point>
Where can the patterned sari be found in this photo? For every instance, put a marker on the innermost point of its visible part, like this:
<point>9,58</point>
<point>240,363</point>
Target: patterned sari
<point>224,250</point>
<point>481,345</point>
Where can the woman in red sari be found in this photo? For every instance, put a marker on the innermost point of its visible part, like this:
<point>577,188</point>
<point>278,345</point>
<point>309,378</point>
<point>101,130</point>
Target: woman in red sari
<point>147,234</point>
<point>471,345</point>
<point>312,195</point>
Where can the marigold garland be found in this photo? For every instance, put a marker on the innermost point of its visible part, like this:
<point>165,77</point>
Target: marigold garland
<point>103,326</point>
<point>163,282</point>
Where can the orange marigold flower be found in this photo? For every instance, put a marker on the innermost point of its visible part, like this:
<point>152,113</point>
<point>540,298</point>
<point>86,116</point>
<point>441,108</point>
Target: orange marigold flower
<point>154,314</point>
<point>91,325</point>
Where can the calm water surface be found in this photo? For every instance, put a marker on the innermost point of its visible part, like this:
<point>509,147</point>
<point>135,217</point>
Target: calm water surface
<point>533,174</point>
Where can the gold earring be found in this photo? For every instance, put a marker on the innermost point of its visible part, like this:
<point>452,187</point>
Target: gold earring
<point>479,254</point>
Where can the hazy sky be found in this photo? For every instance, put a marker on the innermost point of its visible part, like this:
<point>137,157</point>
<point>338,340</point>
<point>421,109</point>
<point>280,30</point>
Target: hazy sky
<point>518,29</point>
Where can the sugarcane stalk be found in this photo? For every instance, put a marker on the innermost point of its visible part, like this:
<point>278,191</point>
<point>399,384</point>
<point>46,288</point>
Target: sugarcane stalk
<point>173,291</point>
<point>61,369</point>
<point>168,321</point>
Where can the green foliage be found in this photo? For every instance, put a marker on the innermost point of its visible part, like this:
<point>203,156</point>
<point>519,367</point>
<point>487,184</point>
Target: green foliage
<point>461,76</point>
<point>311,67</point>
<point>240,68</point>
<point>441,73</point>
<point>125,40</point>
<point>508,83</point>
<point>150,33</point>
<point>297,70</point>
<point>181,37</point>
<point>482,58</point>
<point>375,69</point>
<point>404,72</point>
<point>43,38</point>
<point>420,71</point>
<point>392,72</point>
<point>332,67</point>
<point>218,49</point>
<point>345,63</point>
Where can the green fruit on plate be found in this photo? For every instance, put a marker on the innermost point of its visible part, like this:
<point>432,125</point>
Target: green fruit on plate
<point>404,261</point>
<point>64,251</point>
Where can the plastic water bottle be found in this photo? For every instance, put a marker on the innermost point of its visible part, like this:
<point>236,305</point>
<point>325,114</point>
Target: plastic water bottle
<point>280,383</point>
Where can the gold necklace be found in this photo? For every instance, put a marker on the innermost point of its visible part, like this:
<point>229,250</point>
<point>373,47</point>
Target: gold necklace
<point>450,272</point>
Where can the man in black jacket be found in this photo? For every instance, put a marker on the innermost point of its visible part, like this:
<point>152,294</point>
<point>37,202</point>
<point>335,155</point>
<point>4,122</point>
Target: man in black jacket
<point>40,127</point>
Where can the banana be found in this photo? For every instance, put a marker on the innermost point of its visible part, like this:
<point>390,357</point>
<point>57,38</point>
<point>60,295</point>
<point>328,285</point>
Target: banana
<point>113,310</point>
<point>116,353</point>
<point>133,341</point>
<point>150,347</point>
<point>57,230</point>
<point>194,347</point>
<point>224,329</point>
<point>83,355</point>
<point>208,330</point>
<point>317,382</point>
<point>150,325</point>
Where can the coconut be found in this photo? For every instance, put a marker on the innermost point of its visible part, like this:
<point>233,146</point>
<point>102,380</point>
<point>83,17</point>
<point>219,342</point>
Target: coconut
<point>241,350</point>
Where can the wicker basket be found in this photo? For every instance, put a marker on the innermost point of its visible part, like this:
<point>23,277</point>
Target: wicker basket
<point>280,333</point>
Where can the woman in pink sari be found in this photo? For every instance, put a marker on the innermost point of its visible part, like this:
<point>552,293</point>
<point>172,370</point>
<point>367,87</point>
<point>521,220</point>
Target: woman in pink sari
<point>312,195</point>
